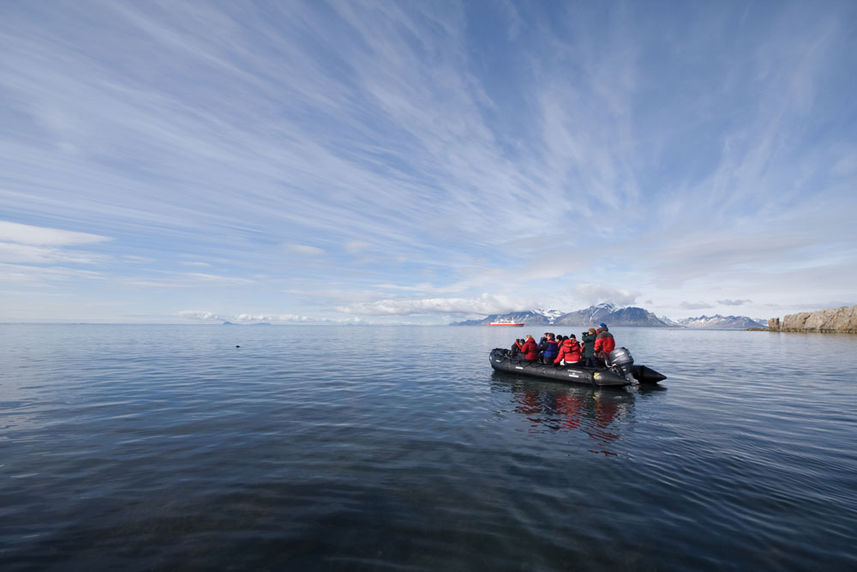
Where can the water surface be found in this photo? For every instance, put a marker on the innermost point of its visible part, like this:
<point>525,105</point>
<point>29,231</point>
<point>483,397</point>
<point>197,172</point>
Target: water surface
<point>165,447</point>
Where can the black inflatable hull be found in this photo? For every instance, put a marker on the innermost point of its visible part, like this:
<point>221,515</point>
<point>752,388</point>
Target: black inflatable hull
<point>645,374</point>
<point>601,377</point>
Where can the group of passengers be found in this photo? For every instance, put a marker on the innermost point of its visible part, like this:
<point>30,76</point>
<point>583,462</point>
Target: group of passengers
<point>566,350</point>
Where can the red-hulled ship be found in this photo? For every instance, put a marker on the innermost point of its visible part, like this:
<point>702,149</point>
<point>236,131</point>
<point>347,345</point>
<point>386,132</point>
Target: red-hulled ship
<point>503,322</point>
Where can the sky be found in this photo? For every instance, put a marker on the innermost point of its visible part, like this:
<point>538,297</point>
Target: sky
<point>424,162</point>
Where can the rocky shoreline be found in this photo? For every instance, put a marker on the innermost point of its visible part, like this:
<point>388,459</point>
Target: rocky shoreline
<point>837,320</point>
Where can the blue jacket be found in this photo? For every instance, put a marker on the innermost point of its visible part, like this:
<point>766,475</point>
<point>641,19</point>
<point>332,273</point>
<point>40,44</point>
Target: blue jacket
<point>551,349</point>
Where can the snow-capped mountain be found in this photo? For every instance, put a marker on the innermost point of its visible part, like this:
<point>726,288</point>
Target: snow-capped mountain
<point>592,316</point>
<point>550,315</point>
<point>615,316</point>
<point>718,322</point>
<point>669,322</point>
<point>612,316</point>
<point>528,317</point>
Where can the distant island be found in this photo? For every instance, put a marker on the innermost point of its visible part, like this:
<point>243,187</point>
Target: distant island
<point>836,320</point>
<point>615,316</point>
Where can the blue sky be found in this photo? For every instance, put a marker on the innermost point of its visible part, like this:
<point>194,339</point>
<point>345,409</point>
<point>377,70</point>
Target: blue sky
<point>421,162</point>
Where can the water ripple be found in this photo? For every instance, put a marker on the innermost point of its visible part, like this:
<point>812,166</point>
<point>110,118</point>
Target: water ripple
<point>163,447</point>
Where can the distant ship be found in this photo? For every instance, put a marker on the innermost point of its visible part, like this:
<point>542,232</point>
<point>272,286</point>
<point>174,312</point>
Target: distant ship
<point>505,322</point>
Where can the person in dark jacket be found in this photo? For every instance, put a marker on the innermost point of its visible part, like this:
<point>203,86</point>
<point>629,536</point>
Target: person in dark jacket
<point>588,339</point>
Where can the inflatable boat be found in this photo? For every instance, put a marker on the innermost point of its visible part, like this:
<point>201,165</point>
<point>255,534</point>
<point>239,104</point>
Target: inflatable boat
<point>620,369</point>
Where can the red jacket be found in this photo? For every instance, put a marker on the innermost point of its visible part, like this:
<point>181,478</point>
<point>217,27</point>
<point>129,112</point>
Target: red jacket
<point>529,349</point>
<point>569,351</point>
<point>605,343</point>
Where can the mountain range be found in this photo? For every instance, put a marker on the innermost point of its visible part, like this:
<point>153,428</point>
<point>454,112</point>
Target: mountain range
<point>615,316</point>
<point>718,322</point>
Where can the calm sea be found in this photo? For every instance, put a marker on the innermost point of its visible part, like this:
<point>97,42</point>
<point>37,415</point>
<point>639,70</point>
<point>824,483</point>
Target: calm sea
<point>398,448</point>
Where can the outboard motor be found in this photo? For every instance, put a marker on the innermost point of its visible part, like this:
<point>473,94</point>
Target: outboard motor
<point>620,360</point>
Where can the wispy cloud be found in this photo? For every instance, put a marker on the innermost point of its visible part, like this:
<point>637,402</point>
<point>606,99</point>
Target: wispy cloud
<point>41,255</point>
<point>336,156</point>
<point>195,263</point>
<point>728,302</point>
<point>43,276</point>
<point>13,252</point>
<point>304,249</point>
<point>594,294</point>
<point>484,304</point>
<point>43,236</point>
<point>188,280</point>
<point>245,318</point>
<point>695,305</point>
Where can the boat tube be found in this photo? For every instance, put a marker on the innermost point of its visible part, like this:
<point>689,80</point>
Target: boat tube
<point>620,370</point>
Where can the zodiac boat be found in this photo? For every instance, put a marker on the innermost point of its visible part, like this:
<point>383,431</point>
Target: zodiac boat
<point>620,369</point>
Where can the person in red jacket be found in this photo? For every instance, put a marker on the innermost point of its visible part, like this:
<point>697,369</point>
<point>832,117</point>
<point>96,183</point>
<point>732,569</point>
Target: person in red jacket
<point>529,349</point>
<point>604,343</point>
<point>569,352</point>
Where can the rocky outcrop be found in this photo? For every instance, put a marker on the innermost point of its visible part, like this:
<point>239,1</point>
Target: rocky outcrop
<point>837,320</point>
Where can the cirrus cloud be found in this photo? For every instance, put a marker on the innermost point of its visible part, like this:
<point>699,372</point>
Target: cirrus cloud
<point>303,249</point>
<point>484,304</point>
<point>251,318</point>
<point>45,236</point>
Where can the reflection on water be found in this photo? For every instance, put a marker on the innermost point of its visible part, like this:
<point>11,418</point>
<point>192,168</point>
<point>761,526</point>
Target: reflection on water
<point>600,413</point>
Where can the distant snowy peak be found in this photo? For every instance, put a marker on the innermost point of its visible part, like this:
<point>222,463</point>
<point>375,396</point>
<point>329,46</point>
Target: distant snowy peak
<point>718,322</point>
<point>669,322</point>
<point>549,315</point>
<point>615,316</point>
<point>612,316</point>
<point>592,316</point>
<point>597,311</point>
<point>528,317</point>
